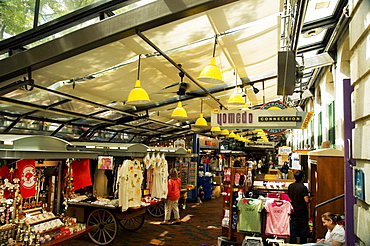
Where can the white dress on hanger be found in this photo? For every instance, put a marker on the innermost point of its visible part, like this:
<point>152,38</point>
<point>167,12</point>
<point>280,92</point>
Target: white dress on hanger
<point>123,178</point>
<point>160,179</point>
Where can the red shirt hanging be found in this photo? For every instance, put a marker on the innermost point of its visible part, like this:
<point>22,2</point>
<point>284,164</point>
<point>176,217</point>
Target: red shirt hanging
<point>27,171</point>
<point>81,173</point>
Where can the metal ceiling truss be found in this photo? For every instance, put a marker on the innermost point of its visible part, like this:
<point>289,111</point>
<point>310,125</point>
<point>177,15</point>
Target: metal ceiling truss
<point>111,30</point>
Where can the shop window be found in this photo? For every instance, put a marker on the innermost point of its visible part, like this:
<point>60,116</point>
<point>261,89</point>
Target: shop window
<point>319,137</point>
<point>331,118</point>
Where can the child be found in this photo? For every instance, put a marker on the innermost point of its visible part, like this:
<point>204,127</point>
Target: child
<point>335,233</point>
<point>174,187</point>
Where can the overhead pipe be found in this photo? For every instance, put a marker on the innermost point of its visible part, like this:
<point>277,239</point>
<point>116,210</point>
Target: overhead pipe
<point>94,103</point>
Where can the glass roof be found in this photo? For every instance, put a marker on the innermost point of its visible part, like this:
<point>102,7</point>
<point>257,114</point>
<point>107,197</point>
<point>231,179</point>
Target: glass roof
<point>84,94</point>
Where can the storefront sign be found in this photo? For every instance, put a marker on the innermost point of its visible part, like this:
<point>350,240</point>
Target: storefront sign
<point>258,119</point>
<point>260,144</point>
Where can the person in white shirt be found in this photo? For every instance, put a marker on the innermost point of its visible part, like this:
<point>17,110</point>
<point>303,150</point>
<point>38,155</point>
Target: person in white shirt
<point>335,233</point>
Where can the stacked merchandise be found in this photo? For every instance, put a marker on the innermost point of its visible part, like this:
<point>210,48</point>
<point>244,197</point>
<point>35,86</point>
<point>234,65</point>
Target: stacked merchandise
<point>26,218</point>
<point>256,218</point>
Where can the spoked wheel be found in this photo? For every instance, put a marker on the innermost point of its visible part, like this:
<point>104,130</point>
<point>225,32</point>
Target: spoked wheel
<point>157,210</point>
<point>134,223</point>
<point>105,226</point>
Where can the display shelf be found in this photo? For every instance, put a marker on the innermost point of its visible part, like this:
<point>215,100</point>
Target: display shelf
<point>44,220</point>
<point>61,240</point>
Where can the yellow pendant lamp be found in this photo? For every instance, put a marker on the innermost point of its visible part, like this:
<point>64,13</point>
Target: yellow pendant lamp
<point>236,98</point>
<point>224,132</point>
<point>201,122</point>
<point>232,135</point>
<point>138,95</point>
<point>211,73</point>
<point>215,129</point>
<point>179,112</point>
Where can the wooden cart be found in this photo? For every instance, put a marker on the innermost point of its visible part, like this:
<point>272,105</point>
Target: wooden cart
<point>105,220</point>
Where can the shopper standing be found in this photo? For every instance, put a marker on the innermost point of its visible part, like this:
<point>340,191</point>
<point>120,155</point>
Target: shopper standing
<point>298,193</point>
<point>285,170</point>
<point>172,203</point>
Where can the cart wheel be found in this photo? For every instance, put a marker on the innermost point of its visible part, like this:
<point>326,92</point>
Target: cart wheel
<point>105,226</point>
<point>157,210</point>
<point>134,223</point>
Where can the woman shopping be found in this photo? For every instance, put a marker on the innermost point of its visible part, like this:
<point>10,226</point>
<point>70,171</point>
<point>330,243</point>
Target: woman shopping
<point>285,170</point>
<point>335,233</point>
<point>174,188</point>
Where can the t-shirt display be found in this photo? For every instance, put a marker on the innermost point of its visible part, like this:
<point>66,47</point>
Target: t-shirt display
<point>277,221</point>
<point>250,215</point>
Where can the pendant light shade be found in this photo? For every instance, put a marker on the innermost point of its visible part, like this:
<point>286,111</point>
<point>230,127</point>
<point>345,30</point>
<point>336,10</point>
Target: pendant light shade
<point>138,95</point>
<point>201,122</point>
<point>211,73</point>
<point>215,129</point>
<point>236,98</point>
<point>179,112</point>
<point>232,135</point>
<point>224,132</point>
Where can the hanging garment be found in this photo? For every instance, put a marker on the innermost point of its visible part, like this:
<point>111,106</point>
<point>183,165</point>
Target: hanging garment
<point>125,188</point>
<point>100,183</point>
<point>81,173</point>
<point>250,215</point>
<point>160,178</point>
<point>147,161</point>
<point>252,241</point>
<point>136,180</point>
<point>277,222</point>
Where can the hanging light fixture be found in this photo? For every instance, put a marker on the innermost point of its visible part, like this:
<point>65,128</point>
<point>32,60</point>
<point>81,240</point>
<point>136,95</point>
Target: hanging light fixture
<point>138,95</point>
<point>236,98</point>
<point>211,73</point>
<point>201,122</point>
<point>215,129</point>
<point>224,132</point>
<point>232,134</point>
<point>179,112</point>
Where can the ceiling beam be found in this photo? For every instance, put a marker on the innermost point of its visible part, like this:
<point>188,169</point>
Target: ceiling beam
<point>102,33</point>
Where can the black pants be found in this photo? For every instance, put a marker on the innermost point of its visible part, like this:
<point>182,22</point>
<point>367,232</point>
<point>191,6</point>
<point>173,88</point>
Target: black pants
<point>298,228</point>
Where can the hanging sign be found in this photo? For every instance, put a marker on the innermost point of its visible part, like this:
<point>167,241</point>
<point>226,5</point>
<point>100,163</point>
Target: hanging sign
<point>258,119</point>
<point>27,171</point>
<point>105,162</point>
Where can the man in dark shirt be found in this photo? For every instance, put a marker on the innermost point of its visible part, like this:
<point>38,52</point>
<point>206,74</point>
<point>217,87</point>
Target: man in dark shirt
<point>298,193</point>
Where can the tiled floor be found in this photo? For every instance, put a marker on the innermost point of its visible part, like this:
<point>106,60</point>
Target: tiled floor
<point>201,225</point>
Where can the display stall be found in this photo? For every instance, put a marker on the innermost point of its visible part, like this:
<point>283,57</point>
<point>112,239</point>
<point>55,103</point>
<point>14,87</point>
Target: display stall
<point>135,180</point>
<point>127,180</point>
<point>30,192</point>
<point>247,217</point>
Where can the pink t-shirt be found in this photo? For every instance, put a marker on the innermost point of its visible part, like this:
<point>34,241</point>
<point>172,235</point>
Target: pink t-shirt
<point>174,187</point>
<point>277,222</point>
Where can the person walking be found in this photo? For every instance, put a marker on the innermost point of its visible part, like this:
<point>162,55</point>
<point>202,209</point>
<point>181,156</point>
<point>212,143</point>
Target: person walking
<point>172,203</point>
<point>298,193</point>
